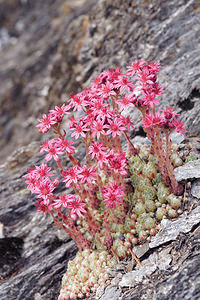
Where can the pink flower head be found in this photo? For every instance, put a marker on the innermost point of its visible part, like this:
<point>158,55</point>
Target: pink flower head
<point>86,175</point>
<point>46,122</point>
<point>76,206</point>
<point>169,113</point>
<point>127,101</point>
<point>155,67</point>
<point>134,67</point>
<point>145,75</point>
<point>117,162</point>
<point>156,89</point>
<point>115,127</point>
<point>153,120</point>
<point>106,90</point>
<point>97,148</point>
<point>150,99</point>
<point>71,176</point>
<point>43,171</point>
<point>59,111</point>
<point>45,188</point>
<point>112,194</point>
<point>96,105</point>
<point>122,83</point>
<point>79,129</point>
<point>104,114</point>
<point>62,201</point>
<point>127,122</point>
<point>113,74</point>
<point>98,128</point>
<point>76,102</point>
<point>179,126</point>
<point>65,145</point>
<point>51,147</point>
<point>35,175</point>
<point>102,160</point>
<point>32,181</point>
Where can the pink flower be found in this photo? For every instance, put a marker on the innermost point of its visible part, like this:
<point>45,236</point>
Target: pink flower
<point>117,162</point>
<point>123,83</point>
<point>86,175</point>
<point>106,90</point>
<point>35,175</point>
<point>104,114</point>
<point>43,170</point>
<point>113,74</point>
<point>98,128</point>
<point>77,102</point>
<point>127,101</point>
<point>112,194</point>
<point>97,105</point>
<point>51,147</point>
<point>155,67</point>
<point>115,127</point>
<point>134,67</point>
<point>179,126</point>
<point>149,99</point>
<point>127,122</point>
<point>79,129</point>
<point>97,148</point>
<point>46,122</point>
<point>169,113</point>
<point>102,159</point>
<point>32,181</point>
<point>153,120</point>
<point>146,76</point>
<point>59,111</point>
<point>70,176</point>
<point>65,145</point>
<point>62,201</point>
<point>156,89</point>
<point>77,207</point>
<point>45,189</point>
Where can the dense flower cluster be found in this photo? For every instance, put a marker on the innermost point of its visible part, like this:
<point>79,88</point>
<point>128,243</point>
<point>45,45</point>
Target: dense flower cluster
<point>102,121</point>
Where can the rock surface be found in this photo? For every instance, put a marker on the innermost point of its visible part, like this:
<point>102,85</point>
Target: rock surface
<point>48,50</point>
<point>190,170</point>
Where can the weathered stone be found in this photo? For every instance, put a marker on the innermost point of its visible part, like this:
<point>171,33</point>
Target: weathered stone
<point>190,170</point>
<point>111,293</point>
<point>195,190</point>
<point>140,250</point>
<point>170,229</point>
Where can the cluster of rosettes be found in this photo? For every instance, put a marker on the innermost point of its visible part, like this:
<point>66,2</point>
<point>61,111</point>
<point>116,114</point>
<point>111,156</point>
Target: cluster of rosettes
<point>152,199</point>
<point>86,273</point>
<point>150,202</point>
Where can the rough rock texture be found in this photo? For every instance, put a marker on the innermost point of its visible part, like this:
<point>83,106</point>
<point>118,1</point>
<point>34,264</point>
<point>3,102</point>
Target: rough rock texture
<point>49,49</point>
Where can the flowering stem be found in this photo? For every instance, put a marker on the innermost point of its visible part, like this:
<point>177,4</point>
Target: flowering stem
<point>69,232</point>
<point>131,148</point>
<point>158,149</point>
<point>94,227</point>
<point>176,188</point>
<point>84,243</point>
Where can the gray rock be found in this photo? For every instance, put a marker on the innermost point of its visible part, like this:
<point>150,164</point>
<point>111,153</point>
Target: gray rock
<point>111,293</point>
<point>195,190</point>
<point>140,250</point>
<point>190,170</point>
<point>155,261</point>
<point>170,229</point>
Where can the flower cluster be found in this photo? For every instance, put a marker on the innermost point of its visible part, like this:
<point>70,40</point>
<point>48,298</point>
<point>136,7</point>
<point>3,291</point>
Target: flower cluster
<point>100,183</point>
